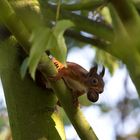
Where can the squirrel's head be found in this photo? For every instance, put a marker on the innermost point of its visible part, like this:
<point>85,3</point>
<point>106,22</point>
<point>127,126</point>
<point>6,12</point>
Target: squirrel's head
<point>95,83</point>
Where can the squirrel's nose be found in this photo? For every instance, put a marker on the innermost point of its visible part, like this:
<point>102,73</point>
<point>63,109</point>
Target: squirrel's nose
<point>99,90</point>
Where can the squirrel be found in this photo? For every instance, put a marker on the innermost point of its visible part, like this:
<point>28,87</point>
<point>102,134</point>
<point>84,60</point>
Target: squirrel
<point>79,80</point>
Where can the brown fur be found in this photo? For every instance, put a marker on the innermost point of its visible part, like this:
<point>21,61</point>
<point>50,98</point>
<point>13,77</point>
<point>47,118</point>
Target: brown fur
<point>81,81</point>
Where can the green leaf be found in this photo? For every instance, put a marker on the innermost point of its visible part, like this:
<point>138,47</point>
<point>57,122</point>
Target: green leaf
<point>58,31</point>
<point>44,39</point>
<point>40,39</point>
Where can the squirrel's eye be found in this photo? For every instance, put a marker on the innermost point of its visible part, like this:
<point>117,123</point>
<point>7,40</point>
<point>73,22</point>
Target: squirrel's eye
<point>95,81</point>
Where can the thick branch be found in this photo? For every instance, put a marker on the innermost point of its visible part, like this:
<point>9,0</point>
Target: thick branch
<point>31,109</point>
<point>8,16</point>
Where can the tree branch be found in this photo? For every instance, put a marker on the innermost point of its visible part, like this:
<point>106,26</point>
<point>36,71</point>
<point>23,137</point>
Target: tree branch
<point>8,16</point>
<point>84,24</point>
<point>86,5</point>
<point>31,109</point>
<point>101,44</point>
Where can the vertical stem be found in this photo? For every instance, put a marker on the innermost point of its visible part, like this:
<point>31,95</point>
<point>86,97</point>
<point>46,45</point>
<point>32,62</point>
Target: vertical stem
<point>58,9</point>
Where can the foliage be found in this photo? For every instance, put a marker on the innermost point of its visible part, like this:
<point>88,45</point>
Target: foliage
<point>39,26</point>
<point>54,43</point>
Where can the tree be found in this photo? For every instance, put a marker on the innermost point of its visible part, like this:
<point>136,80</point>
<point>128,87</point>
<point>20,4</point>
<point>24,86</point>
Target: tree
<point>29,28</point>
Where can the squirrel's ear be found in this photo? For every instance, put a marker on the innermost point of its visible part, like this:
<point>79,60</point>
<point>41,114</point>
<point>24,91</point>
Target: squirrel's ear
<point>93,70</point>
<point>102,72</point>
